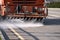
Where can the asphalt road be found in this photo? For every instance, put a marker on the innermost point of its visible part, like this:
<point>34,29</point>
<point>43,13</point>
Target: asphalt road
<point>50,30</point>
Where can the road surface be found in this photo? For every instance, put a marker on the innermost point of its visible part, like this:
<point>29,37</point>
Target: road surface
<point>17,29</point>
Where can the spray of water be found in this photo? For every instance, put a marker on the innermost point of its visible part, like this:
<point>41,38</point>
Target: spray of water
<point>19,23</point>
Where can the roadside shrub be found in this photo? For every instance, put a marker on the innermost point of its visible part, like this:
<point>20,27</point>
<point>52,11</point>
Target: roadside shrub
<point>54,5</point>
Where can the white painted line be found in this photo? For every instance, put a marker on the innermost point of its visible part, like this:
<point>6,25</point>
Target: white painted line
<point>17,34</point>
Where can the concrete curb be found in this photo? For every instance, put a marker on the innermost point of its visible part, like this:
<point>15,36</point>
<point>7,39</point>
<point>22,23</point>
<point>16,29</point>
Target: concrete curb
<point>54,8</point>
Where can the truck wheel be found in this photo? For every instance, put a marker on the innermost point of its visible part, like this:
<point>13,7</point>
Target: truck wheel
<point>0,18</point>
<point>3,17</point>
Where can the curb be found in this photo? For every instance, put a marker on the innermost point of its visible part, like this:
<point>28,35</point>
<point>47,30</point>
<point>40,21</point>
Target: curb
<point>54,8</point>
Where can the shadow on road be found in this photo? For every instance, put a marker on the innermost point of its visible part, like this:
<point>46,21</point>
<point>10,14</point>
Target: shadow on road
<point>35,38</point>
<point>52,22</point>
<point>4,34</point>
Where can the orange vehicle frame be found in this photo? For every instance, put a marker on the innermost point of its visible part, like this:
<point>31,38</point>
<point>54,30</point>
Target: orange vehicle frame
<point>38,3</point>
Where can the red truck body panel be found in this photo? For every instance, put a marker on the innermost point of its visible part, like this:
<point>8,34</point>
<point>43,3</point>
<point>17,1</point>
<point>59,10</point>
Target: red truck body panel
<point>23,8</point>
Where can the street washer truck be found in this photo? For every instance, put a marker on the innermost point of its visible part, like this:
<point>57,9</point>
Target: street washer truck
<point>27,9</point>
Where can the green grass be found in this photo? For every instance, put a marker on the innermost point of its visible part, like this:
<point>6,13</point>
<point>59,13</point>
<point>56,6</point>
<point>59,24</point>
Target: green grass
<point>54,5</point>
<point>0,38</point>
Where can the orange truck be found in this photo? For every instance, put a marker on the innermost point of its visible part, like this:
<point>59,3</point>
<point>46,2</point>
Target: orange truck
<point>27,9</point>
